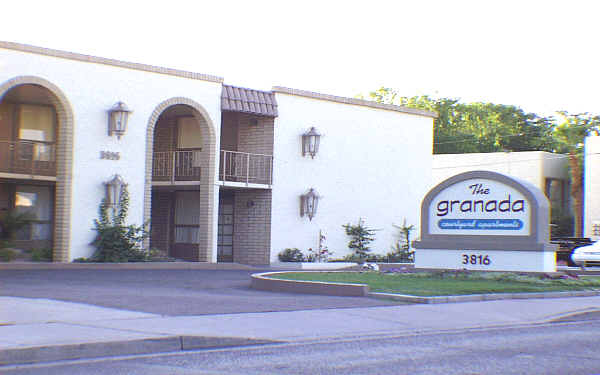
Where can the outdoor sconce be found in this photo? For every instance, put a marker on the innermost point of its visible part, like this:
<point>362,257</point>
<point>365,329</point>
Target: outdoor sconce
<point>118,116</point>
<point>114,188</point>
<point>310,142</point>
<point>309,203</point>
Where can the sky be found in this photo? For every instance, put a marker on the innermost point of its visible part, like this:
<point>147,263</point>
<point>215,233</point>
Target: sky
<point>541,56</point>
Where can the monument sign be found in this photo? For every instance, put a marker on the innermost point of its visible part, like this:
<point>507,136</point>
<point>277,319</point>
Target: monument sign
<point>484,220</point>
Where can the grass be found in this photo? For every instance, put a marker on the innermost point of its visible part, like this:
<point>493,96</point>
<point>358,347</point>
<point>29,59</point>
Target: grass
<point>445,283</point>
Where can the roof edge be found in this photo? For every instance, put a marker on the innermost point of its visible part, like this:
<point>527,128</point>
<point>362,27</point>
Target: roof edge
<point>353,101</point>
<point>106,61</point>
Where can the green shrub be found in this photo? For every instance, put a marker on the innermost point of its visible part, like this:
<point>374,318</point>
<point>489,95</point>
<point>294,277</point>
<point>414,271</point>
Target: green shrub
<point>291,255</point>
<point>401,252</point>
<point>7,255</point>
<point>41,255</point>
<point>115,241</point>
<point>11,222</point>
<point>360,238</point>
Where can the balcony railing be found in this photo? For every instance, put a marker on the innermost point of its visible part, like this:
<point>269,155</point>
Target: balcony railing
<point>247,168</point>
<point>28,157</point>
<point>176,166</point>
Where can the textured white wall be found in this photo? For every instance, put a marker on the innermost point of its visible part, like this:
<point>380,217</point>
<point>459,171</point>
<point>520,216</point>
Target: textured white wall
<point>531,166</point>
<point>592,184</point>
<point>91,90</point>
<point>372,163</point>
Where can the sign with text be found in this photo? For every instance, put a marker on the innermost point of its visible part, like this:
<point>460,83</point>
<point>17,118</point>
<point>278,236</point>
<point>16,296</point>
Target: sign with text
<point>483,220</point>
<point>480,207</point>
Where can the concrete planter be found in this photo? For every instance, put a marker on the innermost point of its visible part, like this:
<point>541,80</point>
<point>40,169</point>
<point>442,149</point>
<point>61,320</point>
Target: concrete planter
<point>312,265</point>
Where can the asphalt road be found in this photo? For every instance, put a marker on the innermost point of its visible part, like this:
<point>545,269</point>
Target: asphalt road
<point>166,292</point>
<point>557,348</point>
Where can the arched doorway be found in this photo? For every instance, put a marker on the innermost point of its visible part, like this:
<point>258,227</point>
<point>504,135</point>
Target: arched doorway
<point>36,132</point>
<point>180,180</point>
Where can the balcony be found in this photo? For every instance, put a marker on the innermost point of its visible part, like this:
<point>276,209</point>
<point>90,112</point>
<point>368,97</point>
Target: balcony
<point>30,158</point>
<point>245,169</point>
<point>239,169</point>
<point>172,167</point>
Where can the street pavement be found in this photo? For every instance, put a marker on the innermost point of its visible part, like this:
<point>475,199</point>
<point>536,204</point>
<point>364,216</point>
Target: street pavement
<point>34,329</point>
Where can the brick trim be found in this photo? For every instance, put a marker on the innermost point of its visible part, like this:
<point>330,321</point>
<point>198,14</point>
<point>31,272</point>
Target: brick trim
<point>105,61</point>
<point>353,101</point>
<point>64,162</point>
<point>207,183</point>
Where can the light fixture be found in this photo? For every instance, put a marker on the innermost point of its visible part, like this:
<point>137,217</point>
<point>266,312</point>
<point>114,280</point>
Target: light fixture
<point>310,142</point>
<point>118,116</point>
<point>114,188</point>
<point>309,203</point>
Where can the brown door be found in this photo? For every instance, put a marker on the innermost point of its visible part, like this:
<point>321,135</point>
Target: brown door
<point>225,228</point>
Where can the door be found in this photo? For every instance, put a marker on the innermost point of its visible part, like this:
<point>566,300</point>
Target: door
<point>186,225</point>
<point>225,228</point>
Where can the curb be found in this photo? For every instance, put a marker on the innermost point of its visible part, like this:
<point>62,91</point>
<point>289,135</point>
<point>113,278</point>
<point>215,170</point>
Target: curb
<point>481,297</point>
<point>262,281</point>
<point>50,353</point>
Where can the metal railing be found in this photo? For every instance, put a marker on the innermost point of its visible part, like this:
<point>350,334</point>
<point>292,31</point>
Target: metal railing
<point>176,166</point>
<point>28,157</point>
<point>245,167</point>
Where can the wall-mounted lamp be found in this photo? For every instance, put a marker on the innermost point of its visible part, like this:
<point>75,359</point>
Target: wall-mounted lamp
<point>309,203</point>
<point>310,142</point>
<point>118,116</point>
<point>114,189</point>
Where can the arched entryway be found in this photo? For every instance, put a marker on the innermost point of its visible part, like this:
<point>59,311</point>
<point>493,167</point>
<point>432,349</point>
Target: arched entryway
<point>36,147</point>
<point>180,180</point>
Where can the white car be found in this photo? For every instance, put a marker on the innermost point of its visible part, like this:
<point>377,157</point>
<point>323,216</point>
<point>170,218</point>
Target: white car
<point>586,254</point>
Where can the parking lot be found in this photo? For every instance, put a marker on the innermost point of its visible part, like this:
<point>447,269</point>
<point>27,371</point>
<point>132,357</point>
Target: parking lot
<point>165,291</point>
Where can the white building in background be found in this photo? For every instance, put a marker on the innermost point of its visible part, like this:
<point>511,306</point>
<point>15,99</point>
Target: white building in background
<point>591,224</point>
<point>547,171</point>
<point>217,170</point>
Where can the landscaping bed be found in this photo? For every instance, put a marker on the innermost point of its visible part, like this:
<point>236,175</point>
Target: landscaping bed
<point>447,283</point>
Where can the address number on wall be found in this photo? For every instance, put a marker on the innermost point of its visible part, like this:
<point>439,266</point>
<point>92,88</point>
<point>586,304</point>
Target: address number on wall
<point>110,155</point>
<point>476,259</point>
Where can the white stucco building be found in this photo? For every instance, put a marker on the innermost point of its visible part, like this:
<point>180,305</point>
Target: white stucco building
<point>217,170</point>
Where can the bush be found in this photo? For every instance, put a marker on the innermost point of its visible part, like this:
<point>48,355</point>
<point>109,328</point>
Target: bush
<point>360,238</point>
<point>116,242</point>
<point>291,255</point>
<point>41,255</point>
<point>11,222</point>
<point>401,252</point>
<point>7,255</point>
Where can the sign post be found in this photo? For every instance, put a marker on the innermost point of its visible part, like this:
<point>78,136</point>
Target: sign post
<point>484,220</point>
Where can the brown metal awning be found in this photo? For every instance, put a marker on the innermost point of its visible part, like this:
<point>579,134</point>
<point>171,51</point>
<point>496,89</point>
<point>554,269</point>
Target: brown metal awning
<point>238,99</point>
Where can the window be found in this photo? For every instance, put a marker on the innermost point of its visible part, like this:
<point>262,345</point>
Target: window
<point>37,202</point>
<point>188,133</point>
<point>555,192</point>
<point>187,217</point>
<point>36,123</point>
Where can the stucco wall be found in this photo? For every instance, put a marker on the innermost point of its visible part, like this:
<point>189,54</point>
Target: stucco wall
<point>92,89</point>
<point>531,166</point>
<point>373,164</point>
<point>592,184</point>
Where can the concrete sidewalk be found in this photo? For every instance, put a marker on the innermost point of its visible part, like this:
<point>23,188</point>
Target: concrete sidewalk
<point>38,330</point>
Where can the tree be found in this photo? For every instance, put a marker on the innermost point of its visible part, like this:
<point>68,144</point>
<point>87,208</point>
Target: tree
<point>569,136</point>
<point>360,238</point>
<point>477,127</point>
